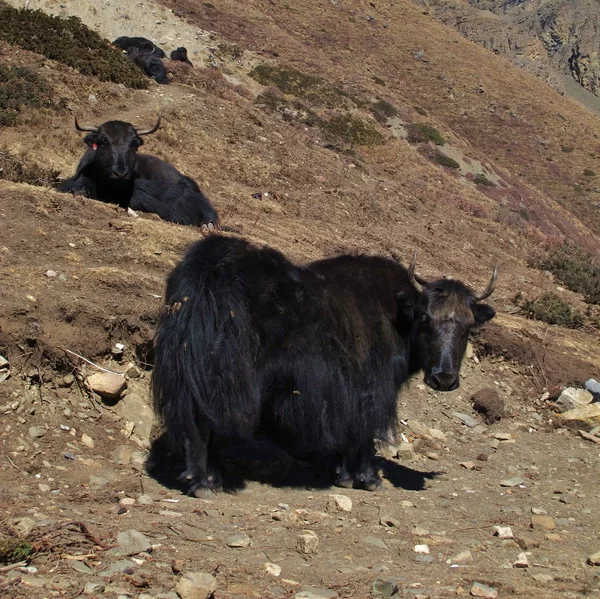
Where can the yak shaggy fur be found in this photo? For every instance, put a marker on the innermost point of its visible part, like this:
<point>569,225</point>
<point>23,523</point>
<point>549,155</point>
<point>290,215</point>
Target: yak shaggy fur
<point>312,357</point>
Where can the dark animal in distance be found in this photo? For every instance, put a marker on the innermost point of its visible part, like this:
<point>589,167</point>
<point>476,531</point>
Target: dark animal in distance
<point>181,55</point>
<point>146,55</point>
<point>112,171</point>
<point>311,357</point>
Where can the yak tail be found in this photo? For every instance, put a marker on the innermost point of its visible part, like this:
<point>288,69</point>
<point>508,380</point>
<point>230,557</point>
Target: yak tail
<point>204,376</point>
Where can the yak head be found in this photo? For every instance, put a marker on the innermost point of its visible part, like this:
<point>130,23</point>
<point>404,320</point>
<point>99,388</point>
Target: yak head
<point>442,315</point>
<point>115,145</point>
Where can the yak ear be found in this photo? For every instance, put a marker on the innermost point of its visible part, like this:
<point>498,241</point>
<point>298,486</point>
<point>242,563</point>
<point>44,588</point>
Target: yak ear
<point>483,313</point>
<point>90,139</point>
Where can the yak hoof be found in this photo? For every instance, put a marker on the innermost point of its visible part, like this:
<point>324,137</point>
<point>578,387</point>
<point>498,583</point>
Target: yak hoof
<point>343,480</point>
<point>372,483</point>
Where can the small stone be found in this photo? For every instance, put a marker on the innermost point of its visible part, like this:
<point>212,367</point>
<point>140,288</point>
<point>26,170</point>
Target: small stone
<point>97,481</point>
<point>587,415</point>
<point>405,503</point>
<point>81,567</point>
<point>461,558</point>
<point>51,273</point>
<point>542,522</point>
<point>385,586</point>
<point>36,432</point>
<point>44,488</point>
<point>539,510</point>
<point>316,593</point>
<point>131,542</point>
<point>132,371</point>
<point>469,465</point>
<point>421,549</point>
<point>107,384</point>
<point>25,525</point>
<point>127,501</point>
<point>272,569</point>
<point>87,441</point>
<point>481,590</point>
<point>543,578</point>
<point>572,398</point>
<point>589,437</point>
<point>389,521</point>
<point>521,561</point>
<point>339,503</point>
<point>494,444</point>
<point>594,388</point>
<point>437,434</point>
<point>515,481</point>
<point>489,404</point>
<point>122,455</point>
<point>375,542</point>
<point>553,536</point>
<point>92,588</point>
<point>145,499</point>
<point>196,585</point>
<point>124,565</point>
<point>469,353</point>
<point>466,419</point>
<point>594,560</point>
<point>307,542</point>
<point>406,451</point>
<point>241,540</point>
<point>503,532</point>
<point>503,436</point>
<point>419,531</point>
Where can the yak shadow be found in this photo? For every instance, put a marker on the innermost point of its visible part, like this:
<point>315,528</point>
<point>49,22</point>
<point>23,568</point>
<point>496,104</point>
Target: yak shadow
<point>267,463</point>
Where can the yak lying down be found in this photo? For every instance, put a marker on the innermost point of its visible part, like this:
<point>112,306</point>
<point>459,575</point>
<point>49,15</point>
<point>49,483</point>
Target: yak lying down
<point>312,357</point>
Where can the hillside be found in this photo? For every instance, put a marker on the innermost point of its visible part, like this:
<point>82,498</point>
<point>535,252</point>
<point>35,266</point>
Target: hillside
<point>317,128</point>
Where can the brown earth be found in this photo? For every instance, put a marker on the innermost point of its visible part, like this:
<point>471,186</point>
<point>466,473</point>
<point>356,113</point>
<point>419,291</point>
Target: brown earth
<point>314,201</point>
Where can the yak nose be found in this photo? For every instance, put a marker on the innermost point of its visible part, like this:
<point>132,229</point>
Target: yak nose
<point>443,381</point>
<point>120,172</point>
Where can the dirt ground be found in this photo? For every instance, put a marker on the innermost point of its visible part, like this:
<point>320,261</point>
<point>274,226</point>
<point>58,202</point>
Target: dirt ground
<point>78,277</point>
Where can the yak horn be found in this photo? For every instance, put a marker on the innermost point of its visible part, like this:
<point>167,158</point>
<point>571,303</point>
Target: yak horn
<point>85,127</point>
<point>411,274</point>
<point>151,130</point>
<point>490,288</point>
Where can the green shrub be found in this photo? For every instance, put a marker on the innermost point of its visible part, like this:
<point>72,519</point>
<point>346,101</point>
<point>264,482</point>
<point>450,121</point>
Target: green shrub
<point>13,550</point>
<point>21,87</point>
<point>553,309</point>
<point>574,269</point>
<point>445,160</point>
<point>481,179</point>
<point>273,101</point>
<point>14,169</point>
<point>382,111</point>
<point>70,42</point>
<point>352,130</point>
<point>422,132</point>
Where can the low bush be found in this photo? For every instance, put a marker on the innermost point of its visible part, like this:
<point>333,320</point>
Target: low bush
<point>553,309</point>
<point>352,130</point>
<point>383,110</point>
<point>14,169</point>
<point>14,550</point>
<point>445,160</point>
<point>481,179</point>
<point>422,133</point>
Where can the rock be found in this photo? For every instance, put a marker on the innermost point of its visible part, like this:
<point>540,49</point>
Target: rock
<point>307,542</point>
<point>375,542</point>
<point>339,503</point>
<point>594,560</point>
<point>97,481</point>
<point>405,503</point>
<point>539,510</point>
<point>489,404</point>
<point>406,451</point>
<point>466,419</point>
<point>589,437</point>
<point>196,585</point>
<point>481,590</point>
<point>503,532</point>
<point>591,385</point>
<point>107,384</point>
<point>542,522</point>
<point>503,436</point>
<point>145,500</point>
<point>36,432</point>
<point>588,415</point>
<point>469,465</point>
<point>572,398</point>
<point>241,540</point>
<point>515,481</point>
<point>132,371</point>
<point>385,586</point>
<point>127,501</point>
<point>25,525</point>
<point>272,569</point>
<point>158,594</point>
<point>421,549</point>
<point>389,521</point>
<point>81,567</point>
<point>116,567</point>
<point>543,578</point>
<point>521,561</point>
<point>462,557</point>
<point>92,588</point>
<point>122,455</point>
<point>131,542</point>
<point>315,593</point>
<point>87,441</point>
<point>437,434</point>
<point>4,363</point>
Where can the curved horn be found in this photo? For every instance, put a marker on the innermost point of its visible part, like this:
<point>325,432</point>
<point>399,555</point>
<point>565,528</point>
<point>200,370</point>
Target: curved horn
<point>490,288</point>
<point>85,127</point>
<point>411,273</point>
<point>152,129</point>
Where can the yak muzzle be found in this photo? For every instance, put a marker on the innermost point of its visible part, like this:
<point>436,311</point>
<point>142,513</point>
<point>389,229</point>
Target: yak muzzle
<point>442,381</point>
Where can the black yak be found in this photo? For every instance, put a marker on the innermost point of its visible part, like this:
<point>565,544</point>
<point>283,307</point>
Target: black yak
<point>112,171</point>
<point>141,44</point>
<point>181,55</point>
<point>145,55</point>
<point>311,357</point>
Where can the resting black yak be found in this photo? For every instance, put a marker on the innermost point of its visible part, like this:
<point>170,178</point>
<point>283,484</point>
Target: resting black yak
<point>112,171</point>
<point>311,357</point>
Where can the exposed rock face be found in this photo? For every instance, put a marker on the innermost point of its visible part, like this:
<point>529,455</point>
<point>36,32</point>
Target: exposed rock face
<point>549,38</point>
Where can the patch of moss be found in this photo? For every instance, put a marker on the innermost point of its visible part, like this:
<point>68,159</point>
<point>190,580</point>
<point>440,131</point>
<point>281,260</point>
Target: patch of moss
<point>21,87</point>
<point>383,110</point>
<point>481,179</point>
<point>422,133</point>
<point>445,160</point>
<point>70,42</point>
<point>553,309</point>
<point>575,269</point>
<point>14,169</point>
<point>352,130</point>
<point>311,88</point>
<point>14,550</point>
<point>294,111</point>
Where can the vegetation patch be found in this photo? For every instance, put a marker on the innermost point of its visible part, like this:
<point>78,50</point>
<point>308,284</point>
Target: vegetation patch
<point>311,88</point>
<point>352,130</point>
<point>14,169</point>
<point>14,550</point>
<point>575,269</point>
<point>420,110</point>
<point>553,309</point>
<point>383,110</point>
<point>481,179</point>
<point>272,100</point>
<point>588,172</point>
<point>70,42</point>
<point>21,87</point>
<point>423,133</point>
<point>445,160</point>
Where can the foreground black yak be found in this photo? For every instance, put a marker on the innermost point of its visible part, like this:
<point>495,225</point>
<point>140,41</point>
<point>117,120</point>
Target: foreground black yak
<point>112,171</point>
<point>311,357</point>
